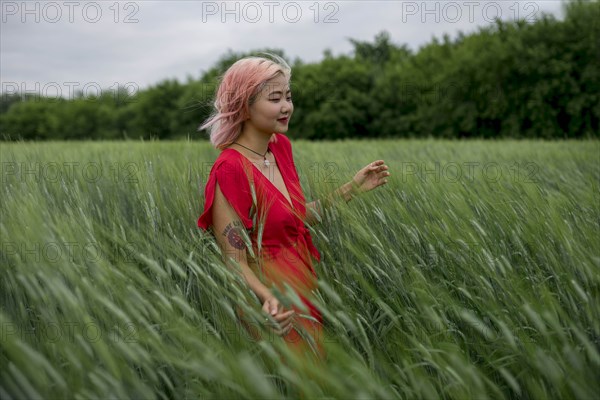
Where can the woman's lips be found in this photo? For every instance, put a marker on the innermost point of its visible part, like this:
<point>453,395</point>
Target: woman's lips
<point>283,120</point>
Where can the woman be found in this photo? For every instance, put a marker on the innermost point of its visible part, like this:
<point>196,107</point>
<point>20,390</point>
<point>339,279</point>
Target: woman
<point>254,185</point>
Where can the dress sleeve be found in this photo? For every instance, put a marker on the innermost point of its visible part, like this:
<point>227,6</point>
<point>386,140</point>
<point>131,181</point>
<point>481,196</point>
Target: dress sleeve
<point>235,184</point>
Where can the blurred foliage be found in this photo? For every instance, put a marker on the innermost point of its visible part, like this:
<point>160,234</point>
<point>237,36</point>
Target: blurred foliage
<point>511,79</point>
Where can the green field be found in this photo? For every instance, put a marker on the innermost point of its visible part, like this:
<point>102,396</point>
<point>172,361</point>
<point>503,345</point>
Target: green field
<point>474,273</point>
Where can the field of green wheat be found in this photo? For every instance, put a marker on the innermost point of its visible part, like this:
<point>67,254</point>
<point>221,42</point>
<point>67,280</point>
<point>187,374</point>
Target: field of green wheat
<point>474,273</point>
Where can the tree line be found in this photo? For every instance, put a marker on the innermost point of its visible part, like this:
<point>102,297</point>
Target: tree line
<point>511,79</point>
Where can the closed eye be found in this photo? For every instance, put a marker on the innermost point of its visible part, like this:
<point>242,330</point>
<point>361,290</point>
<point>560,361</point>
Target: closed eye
<point>274,100</point>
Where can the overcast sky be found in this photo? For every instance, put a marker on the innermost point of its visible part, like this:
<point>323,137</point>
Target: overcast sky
<point>58,46</point>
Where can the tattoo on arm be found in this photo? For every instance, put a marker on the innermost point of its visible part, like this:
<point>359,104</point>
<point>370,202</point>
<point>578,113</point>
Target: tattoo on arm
<point>233,234</point>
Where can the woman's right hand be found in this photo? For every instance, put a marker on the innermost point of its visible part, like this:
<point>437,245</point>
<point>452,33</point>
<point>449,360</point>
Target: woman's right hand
<point>283,319</point>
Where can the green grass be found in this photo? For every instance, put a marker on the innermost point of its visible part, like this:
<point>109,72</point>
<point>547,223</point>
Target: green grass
<point>483,285</point>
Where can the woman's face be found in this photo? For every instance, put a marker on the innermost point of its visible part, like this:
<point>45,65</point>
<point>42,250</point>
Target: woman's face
<point>272,108</point>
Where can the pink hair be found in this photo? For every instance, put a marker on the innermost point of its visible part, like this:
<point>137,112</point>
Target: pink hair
<point>238,89</point>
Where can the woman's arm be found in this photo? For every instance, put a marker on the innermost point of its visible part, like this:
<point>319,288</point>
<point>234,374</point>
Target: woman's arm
<point>228,233</point>
<point>368,178</point>
<point>314,209</point>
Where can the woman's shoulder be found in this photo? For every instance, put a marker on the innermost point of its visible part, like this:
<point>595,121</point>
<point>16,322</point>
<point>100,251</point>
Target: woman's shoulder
<point>230,165</point>
<point>228,158</point>
<point>233,180</point>
<point>282,141</point>
<point>280,138</point>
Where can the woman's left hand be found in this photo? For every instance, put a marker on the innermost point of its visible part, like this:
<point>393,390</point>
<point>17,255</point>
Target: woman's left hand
<point>368,178</point>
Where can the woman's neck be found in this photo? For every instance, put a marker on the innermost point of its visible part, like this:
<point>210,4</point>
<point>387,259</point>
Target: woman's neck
<point>258,143</point>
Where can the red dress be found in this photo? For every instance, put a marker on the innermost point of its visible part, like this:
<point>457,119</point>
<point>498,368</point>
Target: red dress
<point>283,246</point>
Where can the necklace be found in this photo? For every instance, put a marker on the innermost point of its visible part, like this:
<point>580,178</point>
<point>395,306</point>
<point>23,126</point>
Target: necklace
<point>264,156</point>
